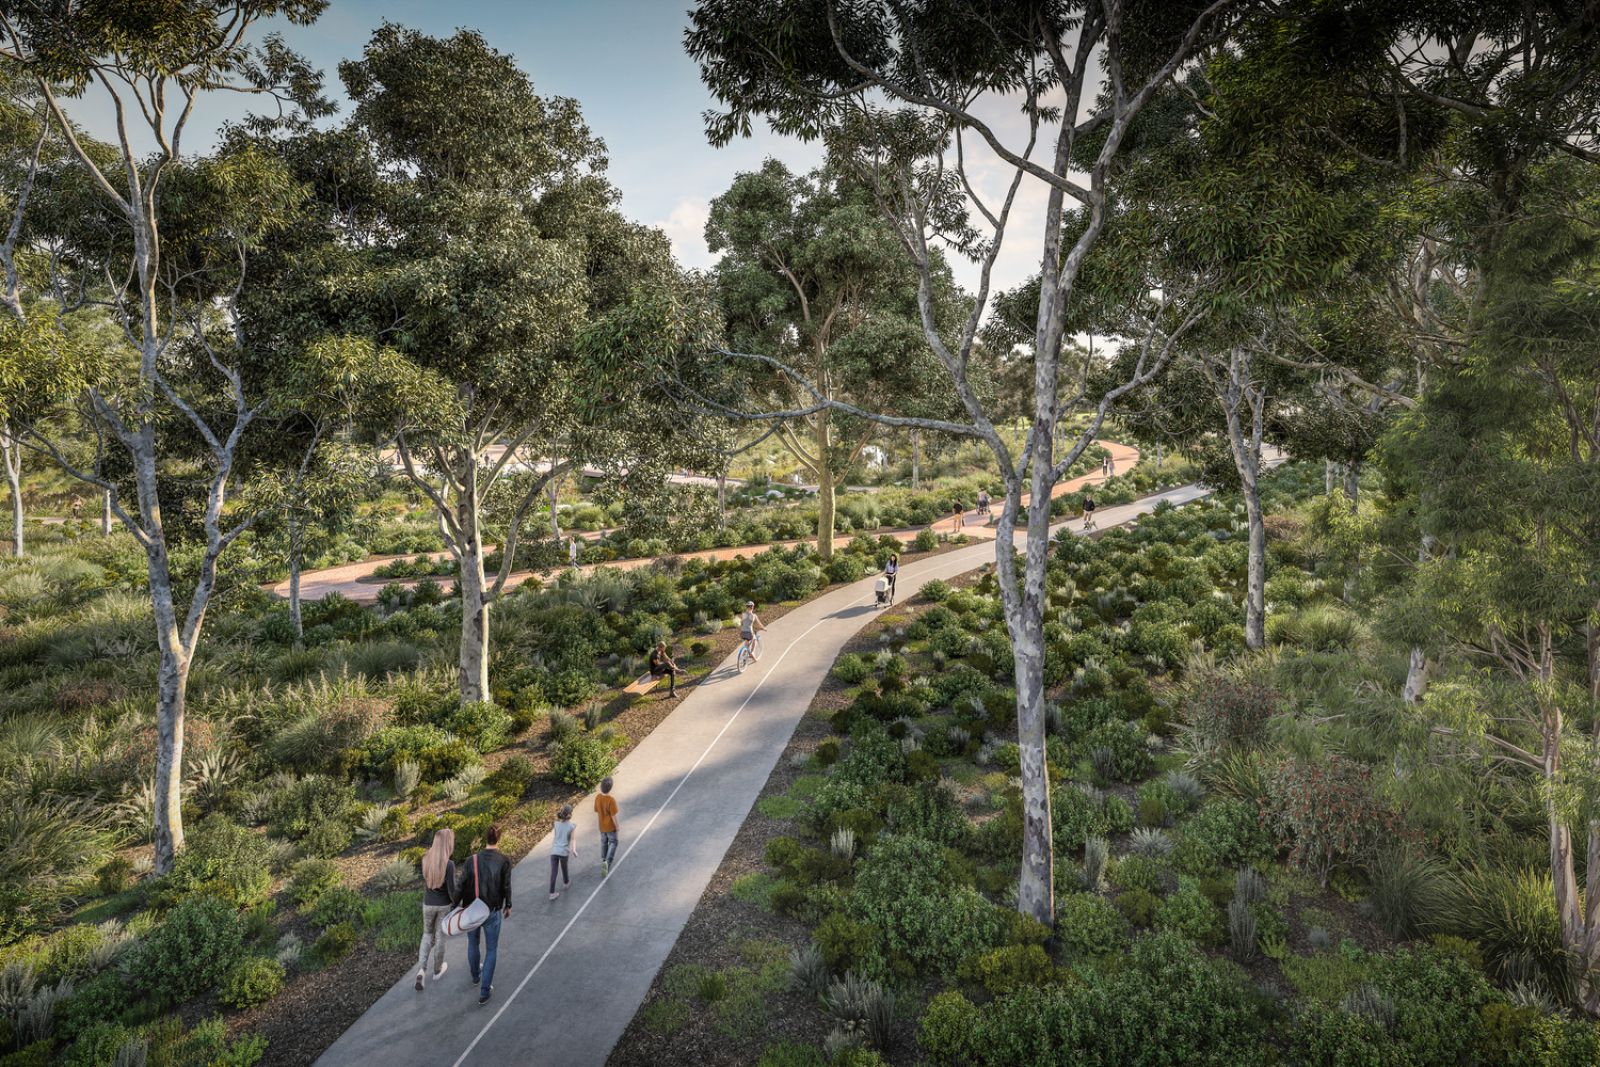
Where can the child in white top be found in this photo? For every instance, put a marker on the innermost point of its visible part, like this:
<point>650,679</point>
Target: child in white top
<point>562,846</point>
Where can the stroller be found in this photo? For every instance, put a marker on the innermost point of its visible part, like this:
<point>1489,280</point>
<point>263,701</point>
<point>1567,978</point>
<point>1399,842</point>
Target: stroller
<point>883,591</point>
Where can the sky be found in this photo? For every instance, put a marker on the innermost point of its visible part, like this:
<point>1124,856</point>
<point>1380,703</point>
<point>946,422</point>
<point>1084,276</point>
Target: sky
<point>623,61</point>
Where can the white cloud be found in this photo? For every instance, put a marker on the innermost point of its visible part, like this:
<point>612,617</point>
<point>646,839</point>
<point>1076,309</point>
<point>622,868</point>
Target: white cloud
<point>685,227</point>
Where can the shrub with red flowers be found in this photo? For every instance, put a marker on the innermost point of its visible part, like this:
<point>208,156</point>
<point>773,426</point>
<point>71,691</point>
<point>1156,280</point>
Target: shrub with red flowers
<point>1324,812</point>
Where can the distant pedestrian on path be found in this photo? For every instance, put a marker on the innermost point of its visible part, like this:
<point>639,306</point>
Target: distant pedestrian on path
<point>955,510</point>
<point>438,897</point>
<point>891,571</point>
<point>486,876</point>
<point>562,847</point>
<point>1088,512</point>
<point>983,506</point>
<point>1105,465</point>
<point>1111,465</point>
<point>572,551</point>
<point>661,662</point>
<point>605,806</point>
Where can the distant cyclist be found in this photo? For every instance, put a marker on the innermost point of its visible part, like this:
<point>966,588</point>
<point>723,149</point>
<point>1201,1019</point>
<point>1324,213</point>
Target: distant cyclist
<point>1088,512</point>
<point>749,624</point>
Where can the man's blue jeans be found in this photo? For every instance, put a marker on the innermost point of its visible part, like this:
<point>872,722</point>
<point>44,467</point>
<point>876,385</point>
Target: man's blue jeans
<point>490,932</point>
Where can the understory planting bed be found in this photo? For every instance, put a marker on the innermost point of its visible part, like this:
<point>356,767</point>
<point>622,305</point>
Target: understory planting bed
<point>1233,886</point>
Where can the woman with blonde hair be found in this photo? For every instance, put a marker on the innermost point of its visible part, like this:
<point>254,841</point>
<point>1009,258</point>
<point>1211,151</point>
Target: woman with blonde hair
<point>438,897</point>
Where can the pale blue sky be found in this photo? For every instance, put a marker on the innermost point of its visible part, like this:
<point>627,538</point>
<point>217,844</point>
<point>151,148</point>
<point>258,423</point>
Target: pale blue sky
<point>623,60</point>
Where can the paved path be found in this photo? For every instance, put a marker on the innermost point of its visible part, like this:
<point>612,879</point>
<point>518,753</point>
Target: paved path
<point>354,581</point>
<point>572,972</point>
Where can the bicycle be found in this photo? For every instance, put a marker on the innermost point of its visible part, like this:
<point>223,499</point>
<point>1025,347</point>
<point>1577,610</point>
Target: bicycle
<point>749,652</point>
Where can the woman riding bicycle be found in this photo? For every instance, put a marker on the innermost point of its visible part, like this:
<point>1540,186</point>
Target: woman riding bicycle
<point>749,624</point>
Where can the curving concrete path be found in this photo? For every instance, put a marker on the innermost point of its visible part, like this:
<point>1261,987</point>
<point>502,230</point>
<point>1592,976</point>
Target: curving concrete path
<point>572,972</point>
<point>355,581</point>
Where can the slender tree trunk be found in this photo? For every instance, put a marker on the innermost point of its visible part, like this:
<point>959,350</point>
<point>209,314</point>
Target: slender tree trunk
<point>1159,456</point>
<point>1255,592</point>
<point>11,456</point>
<point>1328,467</point>
<point>825,487</point>
<point>474,651</point>
<point>105,513</point>
<point>1420,668</point>
<point>722,501</point>
<point>172,692</point>
<point>296,544</point>
<point>554,491</point>
<point>916,459</point>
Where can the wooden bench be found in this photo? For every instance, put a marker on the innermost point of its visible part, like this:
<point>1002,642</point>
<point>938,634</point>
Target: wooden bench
<point>644,684</point>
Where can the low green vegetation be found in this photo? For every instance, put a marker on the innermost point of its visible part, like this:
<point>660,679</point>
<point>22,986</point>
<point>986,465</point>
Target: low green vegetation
<point>1250,860</point>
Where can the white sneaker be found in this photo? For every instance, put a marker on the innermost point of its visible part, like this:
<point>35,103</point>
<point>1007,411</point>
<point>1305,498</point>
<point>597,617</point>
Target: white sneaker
<point>443,967</point>
<point>554,895</point>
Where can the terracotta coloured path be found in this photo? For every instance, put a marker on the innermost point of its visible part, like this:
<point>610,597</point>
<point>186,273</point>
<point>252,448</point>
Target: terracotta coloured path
<point>355,581</point>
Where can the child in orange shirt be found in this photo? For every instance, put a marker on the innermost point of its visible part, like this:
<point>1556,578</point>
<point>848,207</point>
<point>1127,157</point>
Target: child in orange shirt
<point>605,806</point>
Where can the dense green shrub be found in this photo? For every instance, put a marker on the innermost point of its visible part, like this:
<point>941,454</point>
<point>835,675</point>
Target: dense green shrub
<point>1223,710</point>
<point>1223,834</point>
<point>485,725</point>
<point>846,567</point>
<point>1074,818</point>
<point>930,810</point>
<point>1089,925</point>
<point>340,904</point>
<point>1126,757</point>
<point>311,878</point>
<point>1168,1005</point>
<point>1138,906</point>
<point>224,859</point>
<point>299,806</point>
<point>192,950</point>
<point>254,980</point>
<point>583,760</point>
<point>1005,970</point>
<point>853,668</point>
<point>428,746</point>
<point>1189,912</point>
<point>919,917</point>
<point>335,944</point>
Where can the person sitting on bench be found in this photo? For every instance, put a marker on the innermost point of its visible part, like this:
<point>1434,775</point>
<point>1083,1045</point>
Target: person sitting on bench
<point>662,663</point>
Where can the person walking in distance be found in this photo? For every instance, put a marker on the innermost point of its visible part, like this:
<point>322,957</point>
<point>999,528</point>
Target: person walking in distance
<point>891,571</point>
<point>1088,512</point>
<point>1105,465</point>
<point>562,848</point>
<point>572,552</point>
<point>960,519</point>
<point>605,806</point>
<point>438,897</point>
<point>487,876</point>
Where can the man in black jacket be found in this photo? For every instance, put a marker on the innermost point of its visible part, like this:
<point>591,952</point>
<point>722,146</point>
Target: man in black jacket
<point>486,875</point>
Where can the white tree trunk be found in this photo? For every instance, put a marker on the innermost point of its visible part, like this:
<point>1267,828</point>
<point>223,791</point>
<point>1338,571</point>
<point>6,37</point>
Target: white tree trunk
<point>722,501</point>
<point>474,662</point>
<point>1255,592</point>
<point>1237,394</point>
<point>916,459</point>
<point>11,456</point>
<point>105,513</point>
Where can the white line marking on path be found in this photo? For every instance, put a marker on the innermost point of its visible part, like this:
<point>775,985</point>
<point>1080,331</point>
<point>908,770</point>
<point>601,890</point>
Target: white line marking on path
<point>596,891</point>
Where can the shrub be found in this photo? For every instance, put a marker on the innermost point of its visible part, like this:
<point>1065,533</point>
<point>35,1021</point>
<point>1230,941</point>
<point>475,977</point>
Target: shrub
<point>853,668</point>
<point>311,878</point>
<point>513,778</point>
<point>930,810</point>
<point>335,944</point>
<point>948,1030</point>
<point>295,810</point>
<point>788,1054</point>
<point>583,761</point>
<point>1222,834</point>
<point>1127,759</point>
<point>1089,925</point>
<point>838,939</point>
<point>1138,906</point>
<point>908,898</point>
<point>1223,710</point>
<point>438,755</point>
<point>192,950</point>
<point>1325,811</point>
<point>485,725</point>
<point>226,860</point>
<point>926,541</point>
<point>846,567</point>
<point>1012,967</point>
<point>1409,892</point>
<point>1513,919</point>
<point>1191,913</point>
<point>1075,818</point>
<point>252,981</point>
<point>341,904</point>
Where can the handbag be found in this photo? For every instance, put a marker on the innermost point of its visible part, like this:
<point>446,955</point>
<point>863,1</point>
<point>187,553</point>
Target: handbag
<point>466,919</point>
